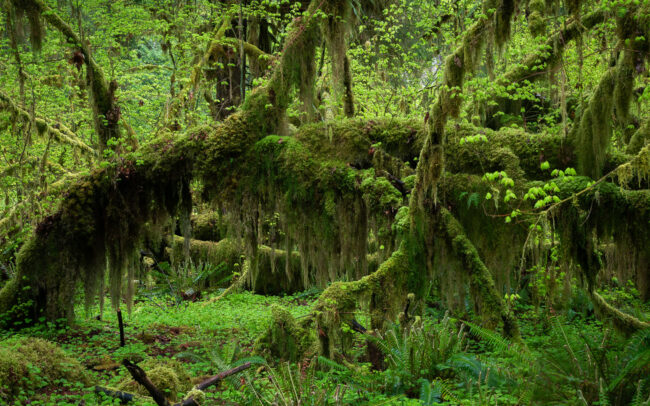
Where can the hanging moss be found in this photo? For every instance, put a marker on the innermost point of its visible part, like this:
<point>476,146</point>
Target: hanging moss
<point>595,216</point>
<point>490,300</point>
<point>454,74</point>
<point>335,29</point>
<point>574,6</point>
<point>105,214</point>
<point>550,56</point>
<point>504,13</point>
<point>614,91</point>
<point>273,275</point>
<point>624,89</point>
<point>278,273</point>
<point>227,252</point>
<point>592,135</point>
<point>536,21</point>
<point>315,195</point>
<point>348,96</point>
<point>36,28</point>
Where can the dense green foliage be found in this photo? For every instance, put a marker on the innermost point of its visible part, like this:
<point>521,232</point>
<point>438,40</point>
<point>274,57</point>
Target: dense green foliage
<point>371,201</point>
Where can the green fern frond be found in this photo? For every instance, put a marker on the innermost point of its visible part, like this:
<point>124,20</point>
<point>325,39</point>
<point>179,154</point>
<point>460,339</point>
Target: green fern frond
<point>638,394</point>
<point>636,358</point>
<point>322,361</point>
<point>253,360</point>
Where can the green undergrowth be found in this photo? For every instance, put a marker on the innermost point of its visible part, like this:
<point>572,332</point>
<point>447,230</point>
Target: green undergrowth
<point>433,359</point>
<point>174,343</point>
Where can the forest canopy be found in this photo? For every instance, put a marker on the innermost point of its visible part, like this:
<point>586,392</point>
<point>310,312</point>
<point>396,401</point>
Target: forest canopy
<point>461,182</point>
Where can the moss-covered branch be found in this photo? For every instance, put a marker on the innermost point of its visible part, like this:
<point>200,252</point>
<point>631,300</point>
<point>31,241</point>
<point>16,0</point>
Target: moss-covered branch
<point>552,50</point>
<point>423,208</point>
<point>640,138</point>
<point>104,214</point>
<point>338,303</point>
<point>622,321</point>
<point>491,304</point>
<point>217,47</point>
<point>57,131</point>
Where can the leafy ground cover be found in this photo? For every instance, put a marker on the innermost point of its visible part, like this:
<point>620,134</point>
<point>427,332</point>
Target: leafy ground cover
<point>431,360</point>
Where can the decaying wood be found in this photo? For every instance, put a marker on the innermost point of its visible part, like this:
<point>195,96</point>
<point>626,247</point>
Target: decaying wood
<point>140,376</point>
<point>121,324</point>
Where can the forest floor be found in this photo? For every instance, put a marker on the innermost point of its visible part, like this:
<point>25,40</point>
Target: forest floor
<point>198,339</point>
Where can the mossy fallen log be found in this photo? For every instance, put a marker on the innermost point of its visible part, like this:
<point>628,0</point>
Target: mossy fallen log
<point>623,322</point>
<point>273,276</point>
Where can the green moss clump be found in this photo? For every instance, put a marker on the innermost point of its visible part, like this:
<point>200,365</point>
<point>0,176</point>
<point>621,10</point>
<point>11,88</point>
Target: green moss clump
<point>32,363</point>
<point>379,193</point>
<point>198,396</point>
<point>285,338</point>
<point>165,379</point>
<point>168,375</point>
<point>402,221</point>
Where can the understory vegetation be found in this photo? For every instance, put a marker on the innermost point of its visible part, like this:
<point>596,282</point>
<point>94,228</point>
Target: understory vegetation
<point>328,202</point>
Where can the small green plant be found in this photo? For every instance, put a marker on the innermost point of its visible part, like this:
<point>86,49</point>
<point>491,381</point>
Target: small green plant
<point>420,350</point>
